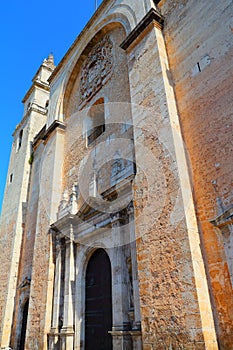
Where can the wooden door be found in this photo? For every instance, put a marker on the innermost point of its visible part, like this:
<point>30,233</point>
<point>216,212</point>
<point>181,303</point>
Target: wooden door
<point>98,316</point>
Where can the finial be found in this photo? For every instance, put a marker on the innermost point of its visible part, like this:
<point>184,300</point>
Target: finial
<point>50,58</point>
<point>73,199</point>
<point>49,61</point>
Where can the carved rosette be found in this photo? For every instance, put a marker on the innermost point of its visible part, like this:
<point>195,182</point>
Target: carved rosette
<point>97,69</point>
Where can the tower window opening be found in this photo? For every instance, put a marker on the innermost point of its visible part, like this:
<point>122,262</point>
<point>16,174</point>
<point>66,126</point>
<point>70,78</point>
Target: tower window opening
<point>20,138</point>
<point>11,178</point>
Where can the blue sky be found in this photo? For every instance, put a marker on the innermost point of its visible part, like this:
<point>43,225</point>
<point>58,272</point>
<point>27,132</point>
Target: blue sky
<point>29,31</point>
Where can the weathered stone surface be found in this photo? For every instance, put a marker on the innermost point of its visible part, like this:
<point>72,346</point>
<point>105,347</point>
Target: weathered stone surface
<point>194,32</point>
<point>115,174</point>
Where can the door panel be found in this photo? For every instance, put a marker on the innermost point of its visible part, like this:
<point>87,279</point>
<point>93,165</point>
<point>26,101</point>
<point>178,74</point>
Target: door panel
<point>98,317</point>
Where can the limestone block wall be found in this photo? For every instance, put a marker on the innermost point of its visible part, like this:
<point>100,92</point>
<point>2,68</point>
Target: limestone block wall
<point>16,196</point>
<point>175,303</point>
<point>27,252</point>
<point>199,44</point>
<point>50,156</point>
<point>37,99</point>
<point>13,216</point>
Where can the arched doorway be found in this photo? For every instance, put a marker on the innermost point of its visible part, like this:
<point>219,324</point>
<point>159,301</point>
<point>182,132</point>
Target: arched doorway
<point>24,326</point>
<point>98,311</point>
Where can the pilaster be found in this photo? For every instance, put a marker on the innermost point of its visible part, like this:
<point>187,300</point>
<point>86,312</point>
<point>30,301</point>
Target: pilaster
<point>157,135</point>
<point>67,331</point>
<point>135,333</point>
<point>49,148</point>
<point>53,336</point>
<point>121,324</point>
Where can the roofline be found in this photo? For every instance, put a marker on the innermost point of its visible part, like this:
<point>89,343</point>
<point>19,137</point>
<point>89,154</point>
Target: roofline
<point>80,35</point>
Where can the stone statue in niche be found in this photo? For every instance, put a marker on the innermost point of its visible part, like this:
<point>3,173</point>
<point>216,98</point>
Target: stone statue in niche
<point>97,69</point>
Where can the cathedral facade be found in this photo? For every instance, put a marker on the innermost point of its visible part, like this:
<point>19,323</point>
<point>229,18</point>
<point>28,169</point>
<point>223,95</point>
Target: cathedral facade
<point>117,220</point>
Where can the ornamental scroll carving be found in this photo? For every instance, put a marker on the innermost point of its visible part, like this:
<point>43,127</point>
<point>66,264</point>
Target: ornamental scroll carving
<point>97,69</point>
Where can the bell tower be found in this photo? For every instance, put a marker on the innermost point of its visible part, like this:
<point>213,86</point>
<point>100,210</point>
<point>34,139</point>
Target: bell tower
<point>14,205</point>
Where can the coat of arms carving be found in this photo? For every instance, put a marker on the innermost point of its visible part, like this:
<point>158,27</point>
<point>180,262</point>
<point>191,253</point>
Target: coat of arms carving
<point>97,69</point>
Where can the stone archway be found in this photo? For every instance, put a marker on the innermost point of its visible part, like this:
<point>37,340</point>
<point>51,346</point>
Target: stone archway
<point>98,304</point>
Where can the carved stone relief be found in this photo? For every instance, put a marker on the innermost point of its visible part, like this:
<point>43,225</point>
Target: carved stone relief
<point>97,69</point>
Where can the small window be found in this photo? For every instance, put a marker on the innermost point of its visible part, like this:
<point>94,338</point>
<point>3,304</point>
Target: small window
<point>96,122</point>
<point>20,138</point>
<point>94,133</point>
<point>47,104</point>
<point>11,178</point>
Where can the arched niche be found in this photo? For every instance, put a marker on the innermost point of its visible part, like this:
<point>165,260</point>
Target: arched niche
<point>116,33</point>
<point>114,87</point>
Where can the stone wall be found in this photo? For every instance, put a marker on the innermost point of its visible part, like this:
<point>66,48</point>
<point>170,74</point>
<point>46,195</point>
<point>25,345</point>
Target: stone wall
<point>15,267</point>
<point>199,44</point>
<point>13,216</point>
<point>180,260</point>
<point>50,155</point>
<point>175,305</point>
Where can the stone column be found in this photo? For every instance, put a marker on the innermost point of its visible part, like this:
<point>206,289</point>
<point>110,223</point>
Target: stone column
<point>54,337</point>
<point>121,325</point>
<point>67,331</point>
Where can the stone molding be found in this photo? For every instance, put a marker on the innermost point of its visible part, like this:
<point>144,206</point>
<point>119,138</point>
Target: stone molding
<point>34,108</point>
<point>44,134</point>
<point>37,83</point>
<point>123,333</point>
<point>153,16</point>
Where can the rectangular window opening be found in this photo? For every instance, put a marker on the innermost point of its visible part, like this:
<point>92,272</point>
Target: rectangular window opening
<point>11,178</point>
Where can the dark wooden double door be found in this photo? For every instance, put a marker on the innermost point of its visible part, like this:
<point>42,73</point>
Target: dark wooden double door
<point>98,316</point>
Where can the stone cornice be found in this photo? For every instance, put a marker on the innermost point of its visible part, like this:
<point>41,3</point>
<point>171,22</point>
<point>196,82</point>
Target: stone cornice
<point>45,133</point>
<point>34,108</point>
<point>123,333</point>
<point>152,16</point>
<point>55,125</point>
<point>39,136</point>
<point>36,83</point>
<point>62,227</point>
